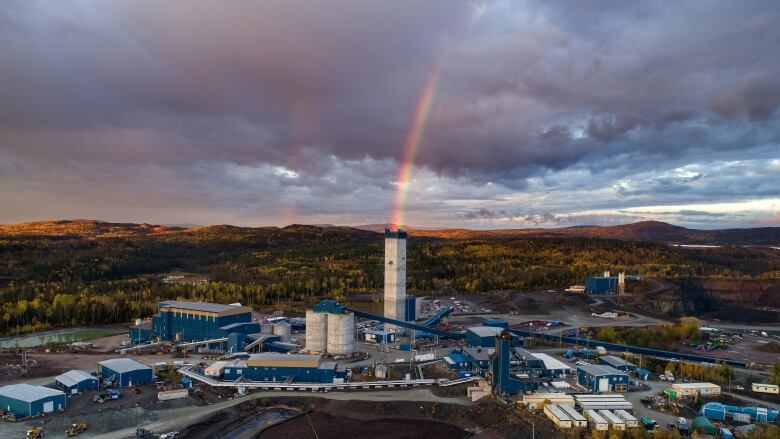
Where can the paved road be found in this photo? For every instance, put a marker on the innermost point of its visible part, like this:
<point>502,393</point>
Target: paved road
<point>177,419</point>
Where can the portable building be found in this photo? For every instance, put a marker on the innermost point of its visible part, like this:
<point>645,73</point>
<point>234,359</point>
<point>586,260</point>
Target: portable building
<point>76,381</point>
<point>602,378</point>
<point>577,418</point>
<point>696,389</point>
<point>126,371</point>
<point>557,416</point>
<point>602,402</point>
<point>25,400</point>
<point>596,421</point>
<point>766,388</point>
<point>628,418</point>
<point>616,421</point>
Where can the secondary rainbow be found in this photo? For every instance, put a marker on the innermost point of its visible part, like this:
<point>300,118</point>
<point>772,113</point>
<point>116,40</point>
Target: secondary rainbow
<point>422,114</point>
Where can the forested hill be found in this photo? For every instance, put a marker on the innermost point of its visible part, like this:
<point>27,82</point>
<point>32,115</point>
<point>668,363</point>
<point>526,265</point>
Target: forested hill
<point>82,272</point>
<point>652,231</point>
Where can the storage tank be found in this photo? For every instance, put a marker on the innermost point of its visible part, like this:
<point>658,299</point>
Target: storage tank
<point>282,329</point>
<point>316,331</point>
<point>266,328</point>
<point>341,333</point>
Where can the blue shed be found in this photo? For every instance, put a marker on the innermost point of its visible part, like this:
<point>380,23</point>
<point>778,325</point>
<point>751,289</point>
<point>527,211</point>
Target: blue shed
<point>126,372</point>
<point>77,381</point>
<point>602,378</point>
<point>25,400</point>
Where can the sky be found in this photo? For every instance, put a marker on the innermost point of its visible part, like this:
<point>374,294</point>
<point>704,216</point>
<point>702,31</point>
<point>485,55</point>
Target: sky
<point>475,114</point>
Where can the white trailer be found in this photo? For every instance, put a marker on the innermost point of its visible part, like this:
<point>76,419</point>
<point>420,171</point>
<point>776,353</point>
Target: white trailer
<point>766,388</point>
<point>617,423</point>
<point>628,418</point>
<point>558,416</point>
<point>577,419</point>
<point>596,421</point>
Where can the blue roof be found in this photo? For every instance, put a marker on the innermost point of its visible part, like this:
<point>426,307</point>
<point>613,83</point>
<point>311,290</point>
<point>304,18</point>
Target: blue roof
<point>458,357</point>
<point>330,306</point>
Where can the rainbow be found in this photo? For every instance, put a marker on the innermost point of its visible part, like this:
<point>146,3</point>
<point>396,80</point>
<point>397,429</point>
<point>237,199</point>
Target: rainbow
<point>422,113</point>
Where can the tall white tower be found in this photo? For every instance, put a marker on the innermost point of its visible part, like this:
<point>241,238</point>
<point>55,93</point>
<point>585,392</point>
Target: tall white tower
<point>395,276</point>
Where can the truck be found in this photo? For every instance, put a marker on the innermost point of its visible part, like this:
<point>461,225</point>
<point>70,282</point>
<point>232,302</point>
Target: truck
<point>76,428</point>
<point>34,433</point>
<point>648,423</point>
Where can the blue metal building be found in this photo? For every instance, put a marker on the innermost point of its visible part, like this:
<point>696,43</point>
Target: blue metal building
<point>141,333</point>
<point>379,336</point>
<point>200,321</point>
<point>25,400</point>
<point>77,381</point>
<point>501,377</point>
<point>482,336</point>
<point>457,361</point>
<point>125,372</point>
<point>618,363</point>
<point>602,378</point>
<point>601,285</point>
<point>282,367</point>
<point>479,358</point>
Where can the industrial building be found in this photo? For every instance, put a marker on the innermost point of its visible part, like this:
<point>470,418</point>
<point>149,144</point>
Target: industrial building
<point>766,388</point>
<point>479,358</point>
<point>25,400</point>
<point>606,284</point>
<point>695,389</point>
<point>484,336</point>
<point>280,368</point>
<point>395,276</point>
<point>505,380</point>
<point>720,412</point>
<point>602,378</point>
<point>77,381</point>
<point>200,321</point>
<point>379,336</point>
<point>125,372</point>
<point>496,323</point>
<point>618,363</point>
<point>330,327</point>
<point>457,361</point>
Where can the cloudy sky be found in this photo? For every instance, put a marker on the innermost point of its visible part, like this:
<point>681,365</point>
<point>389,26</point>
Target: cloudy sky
<point>545,113</point>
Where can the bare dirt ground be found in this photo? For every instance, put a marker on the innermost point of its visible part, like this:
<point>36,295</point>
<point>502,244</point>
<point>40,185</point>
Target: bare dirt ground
<point>747,350</point>
<point>319,425</point>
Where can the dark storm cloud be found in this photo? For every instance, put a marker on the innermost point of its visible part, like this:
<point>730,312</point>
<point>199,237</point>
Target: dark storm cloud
<point>290,103</point>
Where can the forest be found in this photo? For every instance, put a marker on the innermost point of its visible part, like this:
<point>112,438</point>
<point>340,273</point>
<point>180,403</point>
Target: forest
<point>87,277</point>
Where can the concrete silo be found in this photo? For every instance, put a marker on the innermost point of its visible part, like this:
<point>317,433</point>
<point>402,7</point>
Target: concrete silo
<point>316,331</point>
<point>341,333</point>
<point>282,329</point>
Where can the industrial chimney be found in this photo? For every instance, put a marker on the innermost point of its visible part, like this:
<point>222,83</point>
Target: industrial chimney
<point>395,276</point>
<point>621,283</point>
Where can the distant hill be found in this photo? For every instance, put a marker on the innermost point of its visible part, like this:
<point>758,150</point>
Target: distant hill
<point>650,231</point>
